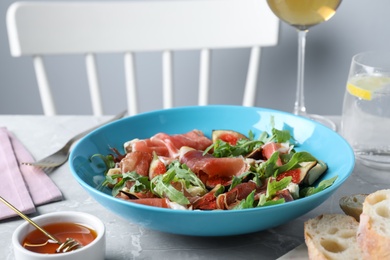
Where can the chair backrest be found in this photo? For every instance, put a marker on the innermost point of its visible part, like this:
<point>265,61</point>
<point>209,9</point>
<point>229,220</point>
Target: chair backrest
<point>43,28</point>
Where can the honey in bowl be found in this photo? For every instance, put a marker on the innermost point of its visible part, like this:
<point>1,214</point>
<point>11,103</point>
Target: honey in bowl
<point>36,241</point>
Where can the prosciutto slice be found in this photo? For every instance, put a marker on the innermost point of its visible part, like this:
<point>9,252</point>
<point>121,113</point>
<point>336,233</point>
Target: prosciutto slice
<point>169,145</point>
<point>269,149</point>
<point>211,170</point>
<point>147,146</point>
<point>136,161</point>
<point>231,198</point>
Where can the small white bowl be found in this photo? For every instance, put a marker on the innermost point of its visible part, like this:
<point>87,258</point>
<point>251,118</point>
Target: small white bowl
<point>95,250</point>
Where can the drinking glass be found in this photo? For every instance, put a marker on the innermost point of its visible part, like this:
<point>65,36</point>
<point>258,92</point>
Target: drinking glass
<point>303,14</point>
<point>365,120</point>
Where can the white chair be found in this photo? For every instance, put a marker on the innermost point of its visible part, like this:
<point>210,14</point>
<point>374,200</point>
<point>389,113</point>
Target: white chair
<point>44,28</point>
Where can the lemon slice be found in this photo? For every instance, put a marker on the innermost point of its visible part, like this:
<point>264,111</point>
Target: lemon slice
<point>365,87</point>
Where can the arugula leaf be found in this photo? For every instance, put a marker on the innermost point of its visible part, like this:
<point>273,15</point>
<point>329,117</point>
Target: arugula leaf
<point>275,186</point>
<point>263,201</point>
<point>163,188</point>
<point>218,190</point>
<point>321,186</point>
<point>273,202</point>
<point>183,172</point>
<point>305,192</point>
<point>235,181</point>
<point>141,183</point>
<point>281,136</point>
<point>265,169</point>
<point>242,147</point>
<point>246,203</point>
<point>295,160</point>
<point>162,184</point>
<point>251,135</point>
<point>270,165</point>
<point>238,179</point>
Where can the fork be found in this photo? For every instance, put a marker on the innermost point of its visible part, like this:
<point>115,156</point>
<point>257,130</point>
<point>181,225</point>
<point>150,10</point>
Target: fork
<point>61,156</point>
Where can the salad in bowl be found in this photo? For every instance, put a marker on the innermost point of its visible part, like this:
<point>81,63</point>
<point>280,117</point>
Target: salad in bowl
<point>228,171</point>
<point>211,170</point>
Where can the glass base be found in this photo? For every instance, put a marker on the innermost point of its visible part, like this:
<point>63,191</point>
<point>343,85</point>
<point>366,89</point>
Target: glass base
<point>374,159</point>
<point>321,119</point>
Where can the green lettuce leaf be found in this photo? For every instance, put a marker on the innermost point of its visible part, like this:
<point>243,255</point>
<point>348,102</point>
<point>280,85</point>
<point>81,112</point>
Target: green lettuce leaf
<point>246,203</point>
<point>162,184</point>
<point>295,160</point>
<point>141,183</point>
<point>274,186</point>
<point>163,188</point>
<point>307,191</point>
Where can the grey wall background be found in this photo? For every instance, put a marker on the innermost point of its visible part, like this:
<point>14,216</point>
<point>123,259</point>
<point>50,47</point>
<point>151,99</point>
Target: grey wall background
<point>359,25</point>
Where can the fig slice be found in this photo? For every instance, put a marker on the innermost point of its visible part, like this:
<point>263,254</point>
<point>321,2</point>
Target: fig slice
<point>255,154</point>
<point>228,136</point>
<point>299,174</point>
<point>308,173</point>
<point>315,172</point>
<point>156,167</point>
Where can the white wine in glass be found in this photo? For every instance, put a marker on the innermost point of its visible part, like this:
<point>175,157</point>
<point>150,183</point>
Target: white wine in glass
<point>303,14</point>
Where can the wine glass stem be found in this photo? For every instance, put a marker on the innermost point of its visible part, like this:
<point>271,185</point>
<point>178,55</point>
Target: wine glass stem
<point>299,106</point>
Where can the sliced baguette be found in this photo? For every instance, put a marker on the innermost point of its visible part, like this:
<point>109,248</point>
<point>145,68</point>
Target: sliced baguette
<point>373,234</point>
<point>353,205</point>
<point>332,236</point>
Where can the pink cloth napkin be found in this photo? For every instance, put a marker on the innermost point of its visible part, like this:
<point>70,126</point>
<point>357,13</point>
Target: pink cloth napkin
<point>21,185</point>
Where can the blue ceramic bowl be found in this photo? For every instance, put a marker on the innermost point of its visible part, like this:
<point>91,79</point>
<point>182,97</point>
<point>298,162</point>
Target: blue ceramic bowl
<point>320,141</point>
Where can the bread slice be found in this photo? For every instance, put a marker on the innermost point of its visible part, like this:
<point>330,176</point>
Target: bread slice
<point>332,236</point>
<point>373,234</point>
<point>353,205</point>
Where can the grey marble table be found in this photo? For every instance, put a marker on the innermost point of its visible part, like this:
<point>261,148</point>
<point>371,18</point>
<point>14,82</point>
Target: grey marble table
<point>125,240</point>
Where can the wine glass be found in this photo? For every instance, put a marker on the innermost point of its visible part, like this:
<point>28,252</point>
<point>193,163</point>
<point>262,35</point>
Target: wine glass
<point>303,14</point>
